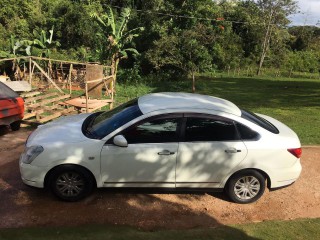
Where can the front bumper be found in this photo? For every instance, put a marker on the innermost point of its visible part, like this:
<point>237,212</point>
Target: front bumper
<point>32,175</point>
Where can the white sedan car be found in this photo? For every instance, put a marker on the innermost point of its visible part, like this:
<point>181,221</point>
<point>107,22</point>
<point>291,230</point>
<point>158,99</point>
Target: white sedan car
<point>163,140</point>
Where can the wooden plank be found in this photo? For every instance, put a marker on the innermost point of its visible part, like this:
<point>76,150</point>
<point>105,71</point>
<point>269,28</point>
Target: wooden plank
<point>29,94</point>
<point>47,76</point>
<point>32,114</point>
<point>100,79</point>
<point>11,59</point>
<point>55,115</point>
<point>92,103</point>
<point>51,100</point>
<point>48,118</point>
<point>27,100</point>
<point>29,115</point>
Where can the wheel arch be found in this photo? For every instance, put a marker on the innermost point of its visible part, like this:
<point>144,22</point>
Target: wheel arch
<point>49,173</point>
<point>267,177</point>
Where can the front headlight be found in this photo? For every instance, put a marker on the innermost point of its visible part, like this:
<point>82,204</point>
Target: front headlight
<point>30,153</point>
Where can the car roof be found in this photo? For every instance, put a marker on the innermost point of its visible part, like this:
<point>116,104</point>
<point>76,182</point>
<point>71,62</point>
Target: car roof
<point>169,100</point>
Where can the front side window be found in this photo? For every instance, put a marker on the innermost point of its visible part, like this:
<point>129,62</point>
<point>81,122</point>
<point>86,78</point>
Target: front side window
<point>154,131</point>
<point>210,129</point>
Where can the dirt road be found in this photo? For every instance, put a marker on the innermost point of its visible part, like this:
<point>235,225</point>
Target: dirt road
<point>22,206</point>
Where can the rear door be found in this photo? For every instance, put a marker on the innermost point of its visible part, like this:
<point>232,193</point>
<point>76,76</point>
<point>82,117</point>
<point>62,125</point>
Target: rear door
<point>210,149</point>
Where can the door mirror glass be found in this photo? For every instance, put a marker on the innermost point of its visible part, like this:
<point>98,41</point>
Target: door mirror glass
<point>120,141</point>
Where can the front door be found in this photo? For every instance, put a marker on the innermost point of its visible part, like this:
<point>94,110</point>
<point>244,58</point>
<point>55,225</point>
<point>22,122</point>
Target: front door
<point>149,160</point>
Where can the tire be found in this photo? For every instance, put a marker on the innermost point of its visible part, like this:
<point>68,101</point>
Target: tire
<point>15,126</point>
<point>246,186</point>
<point>71,183</point>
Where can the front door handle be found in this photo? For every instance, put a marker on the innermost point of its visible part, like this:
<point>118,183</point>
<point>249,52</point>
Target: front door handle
<point>232,150</point>
<point>165,152</point>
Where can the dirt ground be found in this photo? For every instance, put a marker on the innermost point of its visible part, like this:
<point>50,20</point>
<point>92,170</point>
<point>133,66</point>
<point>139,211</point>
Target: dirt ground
<point>23,206</point>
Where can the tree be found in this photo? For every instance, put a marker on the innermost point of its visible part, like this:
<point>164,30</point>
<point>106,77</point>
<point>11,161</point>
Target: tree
<point>44,44</point>
<point>118,37</point>
<point>274,15</point>
<point>182,49</point>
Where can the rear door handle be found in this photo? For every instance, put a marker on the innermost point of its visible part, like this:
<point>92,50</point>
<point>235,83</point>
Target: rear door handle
<point>166,152</point>
<point>232,150</point>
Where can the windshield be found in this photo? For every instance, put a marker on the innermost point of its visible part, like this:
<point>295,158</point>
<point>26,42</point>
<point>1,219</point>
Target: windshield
<point>103,123</point>
<point>259,121</point>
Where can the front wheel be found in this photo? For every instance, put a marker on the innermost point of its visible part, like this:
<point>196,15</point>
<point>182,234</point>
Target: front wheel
<point>71,183</point>
<point>246,186</point>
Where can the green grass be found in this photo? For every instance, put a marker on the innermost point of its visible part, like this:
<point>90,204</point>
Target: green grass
<point>295,230</point>
<point>296,102</point>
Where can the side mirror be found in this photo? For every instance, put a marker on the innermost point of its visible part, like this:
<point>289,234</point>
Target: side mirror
<point>120,141</point>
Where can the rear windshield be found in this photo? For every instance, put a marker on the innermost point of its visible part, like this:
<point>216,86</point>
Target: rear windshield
<point>259,121</point>
<point>6,92</point>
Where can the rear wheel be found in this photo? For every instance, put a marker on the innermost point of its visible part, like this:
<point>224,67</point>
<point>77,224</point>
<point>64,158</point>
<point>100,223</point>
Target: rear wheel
<point>71,183</point>
<point>15,126</point>
<point>246,186</point>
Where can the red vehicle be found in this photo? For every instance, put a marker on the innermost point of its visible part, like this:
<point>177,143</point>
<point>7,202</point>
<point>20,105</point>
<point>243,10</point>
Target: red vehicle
<point>11,107</point>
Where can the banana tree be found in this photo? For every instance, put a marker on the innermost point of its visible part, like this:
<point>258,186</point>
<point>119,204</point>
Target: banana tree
<point>117,35</point>
<point>44,45</point>
<point>17,48</point>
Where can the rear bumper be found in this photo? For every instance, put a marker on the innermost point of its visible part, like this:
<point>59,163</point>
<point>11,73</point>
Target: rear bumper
<point>285,177</point>
<point>10,119</point>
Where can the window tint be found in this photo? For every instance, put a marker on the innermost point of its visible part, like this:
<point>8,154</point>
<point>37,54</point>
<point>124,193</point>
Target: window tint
<point>207,129</point>
<point>247,133</point>
<point>259,121</point>
<point>154,131</point>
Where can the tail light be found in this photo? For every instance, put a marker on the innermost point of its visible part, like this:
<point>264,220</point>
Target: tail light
<point>295,152</point>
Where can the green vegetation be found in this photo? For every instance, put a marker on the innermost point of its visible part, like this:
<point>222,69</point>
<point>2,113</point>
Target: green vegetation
<point>179,37</point>
<point>296,230</point>
<point>294,102</point>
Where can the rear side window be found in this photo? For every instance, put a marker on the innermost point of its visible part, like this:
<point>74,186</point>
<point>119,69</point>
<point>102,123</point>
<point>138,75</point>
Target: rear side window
<point>247,133</point>
<point>259,121</point>
<point>6,92</point>
<point>210,129</point>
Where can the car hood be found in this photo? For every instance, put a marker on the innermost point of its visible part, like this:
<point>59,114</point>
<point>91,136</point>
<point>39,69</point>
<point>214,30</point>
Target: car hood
<point>63,130</point>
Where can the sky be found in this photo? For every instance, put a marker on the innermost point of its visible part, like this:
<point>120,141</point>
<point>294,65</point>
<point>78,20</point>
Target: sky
<point>309,13</point>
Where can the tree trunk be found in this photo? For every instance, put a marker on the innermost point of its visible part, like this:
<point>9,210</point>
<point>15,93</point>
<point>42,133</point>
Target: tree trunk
<point>265,44</point>
<point>193,83</point>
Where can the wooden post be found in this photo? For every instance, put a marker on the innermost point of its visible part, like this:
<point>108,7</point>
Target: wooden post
<point>24,70</point>
<point>87,98</point>
<point>46,75</point>
<point>30,71</point>
<point>70,78</point>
